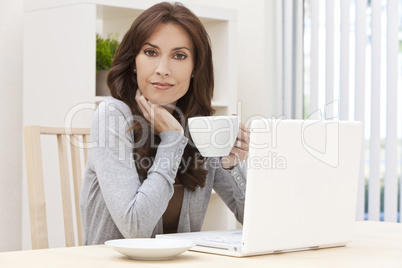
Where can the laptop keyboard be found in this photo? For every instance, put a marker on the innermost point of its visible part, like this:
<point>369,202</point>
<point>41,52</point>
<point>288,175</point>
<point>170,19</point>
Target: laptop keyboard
<point>233,238</point>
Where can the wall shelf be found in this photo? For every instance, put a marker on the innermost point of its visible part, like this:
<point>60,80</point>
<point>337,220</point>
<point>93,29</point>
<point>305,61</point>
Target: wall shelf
<point>67,73</point>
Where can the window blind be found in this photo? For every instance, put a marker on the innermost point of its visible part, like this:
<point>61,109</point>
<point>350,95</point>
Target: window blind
<point>350,57</point>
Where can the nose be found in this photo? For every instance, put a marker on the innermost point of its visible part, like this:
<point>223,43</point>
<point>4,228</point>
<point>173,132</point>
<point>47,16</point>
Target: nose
<point>163,67</point>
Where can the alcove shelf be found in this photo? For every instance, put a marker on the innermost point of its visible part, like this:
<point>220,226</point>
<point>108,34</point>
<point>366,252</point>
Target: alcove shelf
<point>60,51</point>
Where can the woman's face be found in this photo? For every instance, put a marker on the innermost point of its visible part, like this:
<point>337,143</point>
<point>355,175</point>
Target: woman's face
<point>164,64</point>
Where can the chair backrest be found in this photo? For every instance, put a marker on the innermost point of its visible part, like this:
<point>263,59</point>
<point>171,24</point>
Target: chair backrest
<point>36,190</point>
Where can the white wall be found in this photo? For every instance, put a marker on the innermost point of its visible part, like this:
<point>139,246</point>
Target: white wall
<point>11,21</point>
<point>256,93</point>
<point>257,76</point>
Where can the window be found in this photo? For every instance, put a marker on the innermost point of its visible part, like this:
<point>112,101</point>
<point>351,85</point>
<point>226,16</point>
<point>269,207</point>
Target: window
<point>352,57</point>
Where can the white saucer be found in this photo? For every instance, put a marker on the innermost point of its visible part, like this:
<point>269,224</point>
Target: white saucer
<point>150,248</point>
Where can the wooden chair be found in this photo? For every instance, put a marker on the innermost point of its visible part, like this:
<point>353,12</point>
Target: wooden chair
<point>36,191</point>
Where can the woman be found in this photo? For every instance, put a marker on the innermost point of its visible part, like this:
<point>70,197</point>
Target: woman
<point>145,175</point>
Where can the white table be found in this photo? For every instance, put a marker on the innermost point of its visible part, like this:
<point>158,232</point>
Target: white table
<point>376,244</point>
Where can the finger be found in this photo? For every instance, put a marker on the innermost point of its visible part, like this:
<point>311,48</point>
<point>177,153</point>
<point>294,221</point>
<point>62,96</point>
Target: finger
<point>141,98</point>
<point>235,158</point>
<point>138,93</point>
<point>140,102</point>
<point>243,139</point>
<point>244,133</point>
<point>244,136</point>
<point>242,145</point>
<point>239,151</point>
<point>153,108</point>
<point>241,135</point>
<point>137,96</point>
<point>243,127</point>
<point>238,156</point>
<point>145,104</point>
<point>143,110</point>
<point>152,105</point>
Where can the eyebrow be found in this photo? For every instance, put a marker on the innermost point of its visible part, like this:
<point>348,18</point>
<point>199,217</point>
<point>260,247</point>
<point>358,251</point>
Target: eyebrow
<point>176,48</point>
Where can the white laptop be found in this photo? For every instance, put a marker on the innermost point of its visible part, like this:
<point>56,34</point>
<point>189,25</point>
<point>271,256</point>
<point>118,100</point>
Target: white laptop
<point>301,189</point>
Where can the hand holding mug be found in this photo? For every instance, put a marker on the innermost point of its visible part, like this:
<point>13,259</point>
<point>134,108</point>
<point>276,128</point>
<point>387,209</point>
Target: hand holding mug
<point>240,150</point>
<point>221,136</point>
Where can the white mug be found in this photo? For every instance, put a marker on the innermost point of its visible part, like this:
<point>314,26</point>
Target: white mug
<point>214,136</point>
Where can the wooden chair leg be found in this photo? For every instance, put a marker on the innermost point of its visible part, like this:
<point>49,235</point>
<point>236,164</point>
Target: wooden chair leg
<point>36,189</point>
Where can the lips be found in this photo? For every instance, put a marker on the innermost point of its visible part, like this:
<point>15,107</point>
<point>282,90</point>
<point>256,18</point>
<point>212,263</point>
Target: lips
<point>162,86</point>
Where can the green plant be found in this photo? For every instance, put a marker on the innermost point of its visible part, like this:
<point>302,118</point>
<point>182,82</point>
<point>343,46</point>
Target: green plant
<point>105,50</point>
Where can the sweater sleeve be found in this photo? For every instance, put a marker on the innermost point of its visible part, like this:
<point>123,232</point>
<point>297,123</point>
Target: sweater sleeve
<point>135,207</point>
<point>230,185</point>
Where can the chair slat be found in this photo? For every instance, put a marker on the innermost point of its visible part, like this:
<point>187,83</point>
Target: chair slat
<point>86,143</point>
<point>61,130</point>
<point>77,179</point>
<point>65,191</point>
<point>36,189</point>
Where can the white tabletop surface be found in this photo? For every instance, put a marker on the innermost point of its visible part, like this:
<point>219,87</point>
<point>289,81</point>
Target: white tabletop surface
<point>376,244</point>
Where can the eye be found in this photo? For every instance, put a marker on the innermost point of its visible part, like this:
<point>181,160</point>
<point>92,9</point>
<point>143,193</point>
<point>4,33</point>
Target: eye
<point>180,56</point>
<point>150,52</point>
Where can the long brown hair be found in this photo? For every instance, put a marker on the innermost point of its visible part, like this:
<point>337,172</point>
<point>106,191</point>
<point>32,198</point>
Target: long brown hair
<point>122,82</point>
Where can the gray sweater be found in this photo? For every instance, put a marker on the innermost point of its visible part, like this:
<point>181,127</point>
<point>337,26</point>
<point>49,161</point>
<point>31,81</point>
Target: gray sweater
<point>117,203</point>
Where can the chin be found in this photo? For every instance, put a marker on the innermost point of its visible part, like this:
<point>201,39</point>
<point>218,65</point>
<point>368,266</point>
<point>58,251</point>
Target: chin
<point>162,102</point>
<point>157,101</point>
